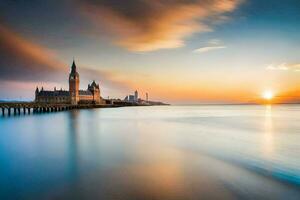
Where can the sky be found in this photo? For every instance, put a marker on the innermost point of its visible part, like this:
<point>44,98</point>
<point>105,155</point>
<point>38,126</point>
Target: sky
<point>178,51</point>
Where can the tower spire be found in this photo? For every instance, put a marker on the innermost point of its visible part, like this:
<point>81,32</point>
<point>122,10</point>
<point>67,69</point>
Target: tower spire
<point>73,70</point>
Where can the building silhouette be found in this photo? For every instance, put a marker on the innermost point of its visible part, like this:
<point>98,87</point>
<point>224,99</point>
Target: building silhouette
<point>136,96</point>
<point>133,98</point>
<point>74,95</point>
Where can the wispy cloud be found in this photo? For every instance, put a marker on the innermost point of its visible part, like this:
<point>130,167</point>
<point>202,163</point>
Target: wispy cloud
<point>284,67</point>
<point>214,42</point>
<point>25,61</point>
<point>209,48</point>
<point>150,25</point>
<point>295,67</point>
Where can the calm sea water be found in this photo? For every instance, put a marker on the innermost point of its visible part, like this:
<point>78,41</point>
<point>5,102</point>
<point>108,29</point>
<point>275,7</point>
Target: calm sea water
<point>163,152</point>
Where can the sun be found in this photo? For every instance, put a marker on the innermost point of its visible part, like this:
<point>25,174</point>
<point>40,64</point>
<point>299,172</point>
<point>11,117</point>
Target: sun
<point>268,95</point>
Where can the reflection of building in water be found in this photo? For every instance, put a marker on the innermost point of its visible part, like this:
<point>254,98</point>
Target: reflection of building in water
<point>74,95</point>
<point>73,145</point>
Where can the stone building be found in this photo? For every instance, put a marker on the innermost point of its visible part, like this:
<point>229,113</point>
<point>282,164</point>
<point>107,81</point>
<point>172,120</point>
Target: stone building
<point>74,95</point>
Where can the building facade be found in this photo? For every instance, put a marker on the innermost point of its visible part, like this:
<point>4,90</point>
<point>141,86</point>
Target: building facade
<point>74,96</point>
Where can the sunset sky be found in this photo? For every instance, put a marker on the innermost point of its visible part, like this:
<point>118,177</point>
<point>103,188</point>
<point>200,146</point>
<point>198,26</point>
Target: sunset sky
<point>179,51</point>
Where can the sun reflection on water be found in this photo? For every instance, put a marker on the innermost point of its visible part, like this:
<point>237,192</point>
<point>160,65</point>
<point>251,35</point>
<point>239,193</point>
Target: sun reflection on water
<point>268,135</point>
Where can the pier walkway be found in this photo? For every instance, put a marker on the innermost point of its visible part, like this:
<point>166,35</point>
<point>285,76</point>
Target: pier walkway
<point>17,108</point>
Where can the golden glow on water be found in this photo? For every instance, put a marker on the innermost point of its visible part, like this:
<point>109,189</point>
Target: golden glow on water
<point>268,135</point>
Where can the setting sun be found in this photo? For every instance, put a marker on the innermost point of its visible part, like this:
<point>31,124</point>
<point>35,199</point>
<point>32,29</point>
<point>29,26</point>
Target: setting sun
<point>268,95</point>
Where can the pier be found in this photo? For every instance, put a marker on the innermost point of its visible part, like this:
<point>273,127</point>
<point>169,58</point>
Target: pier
<point>18,108</point>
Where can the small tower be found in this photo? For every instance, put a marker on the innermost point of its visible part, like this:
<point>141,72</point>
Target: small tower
<point>36,93</point>
<point>74,84</point>
<point>95,90</point>
<point>136,95</point>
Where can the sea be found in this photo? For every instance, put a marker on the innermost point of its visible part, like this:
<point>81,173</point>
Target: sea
<point>153,152</point>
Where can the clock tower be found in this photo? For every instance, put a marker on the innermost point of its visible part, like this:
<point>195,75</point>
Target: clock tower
<point>74,85</point>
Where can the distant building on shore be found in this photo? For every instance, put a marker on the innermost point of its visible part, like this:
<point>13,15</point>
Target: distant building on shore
<point>136,96</point>
<point>74,95</point>
<point>133,98</point>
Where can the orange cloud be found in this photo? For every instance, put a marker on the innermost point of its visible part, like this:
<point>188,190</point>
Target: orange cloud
<point>22,59</point>
<point>25,61</point>
<point>155,24</point>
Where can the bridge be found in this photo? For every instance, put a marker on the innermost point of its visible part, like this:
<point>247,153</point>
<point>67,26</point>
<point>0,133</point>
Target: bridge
<point>18,108</point>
